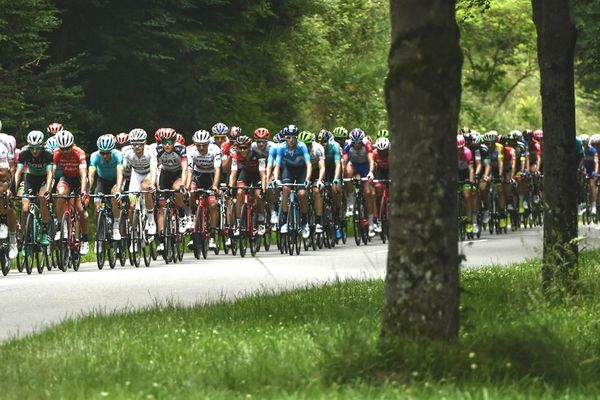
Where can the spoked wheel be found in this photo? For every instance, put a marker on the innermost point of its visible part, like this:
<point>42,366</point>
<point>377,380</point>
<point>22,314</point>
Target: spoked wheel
<point>64,249</point>
<point>101,236</point>
<point>244,237</point>
<point>223,239</point>
<point>76,244</point>
<point>356,225</point>
<point>267,237</point>
<point>28,245</point>
<point>291,240</point>
<point>197,238</point>
<point>297,242</point>
<point>135,251</point>
<point>218,242</point>
<point>4,261</point>
<point>146,252</point>
<point>111,251</point>
<point>122,244</point>
<point>167,239</point>
<point>152,245</point>
<point>234,242</point>
<point>46,258</point>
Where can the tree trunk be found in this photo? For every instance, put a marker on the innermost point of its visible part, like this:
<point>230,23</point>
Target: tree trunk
<point>423,98</point>
<point>556,43</point>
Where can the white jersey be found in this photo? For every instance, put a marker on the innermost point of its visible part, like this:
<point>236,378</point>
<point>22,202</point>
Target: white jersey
<point>11,145</point>
<point>126,168</point>
<point>4,160</point>
<point>204,163</point>
<point>140,165</point>
<point>317,153</point>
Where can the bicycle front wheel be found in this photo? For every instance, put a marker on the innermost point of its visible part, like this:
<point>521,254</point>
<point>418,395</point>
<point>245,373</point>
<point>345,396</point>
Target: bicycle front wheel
<point>101,237</point>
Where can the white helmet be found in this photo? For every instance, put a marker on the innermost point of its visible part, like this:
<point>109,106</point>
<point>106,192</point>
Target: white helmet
<point>137,135</point>
<point>51,143</point>
<point>382,144</point>
<point>595,139</point>
<point>35,138</point>
<point>65,139</point>
<point>584,138</point>
<point>201,136</point>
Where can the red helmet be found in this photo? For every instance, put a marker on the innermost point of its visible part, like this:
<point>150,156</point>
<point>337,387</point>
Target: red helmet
<point>158,135</point>
<point>122,138</point>
<point>54,128</point>
<point>179,138</point>
<point>234,132</point>
<point>261,134</point>
<point>460,141</point>
<point>538,134</point>
<point>167,133</point>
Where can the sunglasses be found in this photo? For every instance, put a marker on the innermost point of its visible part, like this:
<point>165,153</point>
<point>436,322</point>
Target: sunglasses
<point>290,137</point>
<point>66,148</point>
<point>220,138</point>
<point>137,144</point>
<point>242,147</point>
<point>170,142</point>
<point>35,148</point>
<point>106,153</point>
<point>202,144</point>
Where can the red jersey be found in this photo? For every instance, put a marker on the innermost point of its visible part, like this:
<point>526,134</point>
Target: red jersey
<point>70,163</point>
<point>226,149</point>
<point>382,159</point>
<point>509,155</point>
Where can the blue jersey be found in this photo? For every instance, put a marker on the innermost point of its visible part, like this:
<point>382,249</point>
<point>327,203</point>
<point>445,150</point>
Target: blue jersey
<point>589,159</point>
<point>296,158</point>
<point>332,153</point>
<point>106,169</point>
<point>273,153</point>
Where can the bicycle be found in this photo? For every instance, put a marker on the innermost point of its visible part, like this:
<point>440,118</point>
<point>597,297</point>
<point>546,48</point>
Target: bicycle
<point>328,237</point>
<point>462,217</point>
<point>70,241</point>
<point>104,245</point>
<point>172,239</point>
<point>384,209</point>
<point>359,216</point>
<point>311,241</point>
<point>248,222</point>
<point>201,231</point>
<point>137,238</point>
<point>291,238</point>
<point>32,252</point>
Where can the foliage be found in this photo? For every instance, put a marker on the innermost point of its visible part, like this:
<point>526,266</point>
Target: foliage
<point>324,342</point>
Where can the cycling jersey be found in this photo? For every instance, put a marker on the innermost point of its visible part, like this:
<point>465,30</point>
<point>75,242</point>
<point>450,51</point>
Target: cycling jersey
<point>70,162</point>
<point>273,153</point>
<point>126,168</point>
<point>296,158</point>
<point>252,162</point>
<point>382,160</point>
<point>358,155</point>
<point>106,169</point>
<point>226,150</point>
<point>510,155</point>
<point>465,163</point>
<point>204,163</point>
<point>171,162</point>
<point>317,153</point>
<point>4,164</point>
<point>496,153</point>
<point>333,154</point>
<point>141,165</point>
<point>11,145</point>
<point>590,158</point>
<point>535,151</point>
<point>39,165</point>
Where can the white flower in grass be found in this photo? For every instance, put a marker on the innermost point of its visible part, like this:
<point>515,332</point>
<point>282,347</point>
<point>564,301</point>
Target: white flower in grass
<point>473,366</point>
<point>103,394</point>
<point>471,355</point>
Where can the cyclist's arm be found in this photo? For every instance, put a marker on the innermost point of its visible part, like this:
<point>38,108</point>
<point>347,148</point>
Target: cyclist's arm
<point>322,169</point>
<point>91,176</point>
<point>49,177</point>
<point>18,173</point>
<point>371,163</point>
<point>184,165</point>
<point>233,173</point>
<point>153,177</point>
<point>119,176</point>
<point>83,177</point>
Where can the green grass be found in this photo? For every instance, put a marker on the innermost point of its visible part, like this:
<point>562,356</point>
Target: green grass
<point>323,343</point>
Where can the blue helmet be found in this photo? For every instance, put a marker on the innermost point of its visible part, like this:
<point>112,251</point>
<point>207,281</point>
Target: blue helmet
<point>106,142</point>
<point>279,137</point>
<point>290,130</point>
<point>357,135</point>
<point>51,143</point>
<point>220,129</point>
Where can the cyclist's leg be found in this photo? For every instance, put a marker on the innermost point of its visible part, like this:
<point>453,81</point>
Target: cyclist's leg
<point>63,188</point>
<point>349,187</point>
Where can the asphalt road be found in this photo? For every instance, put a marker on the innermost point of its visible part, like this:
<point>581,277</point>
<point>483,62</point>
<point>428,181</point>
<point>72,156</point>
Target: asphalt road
<point>31,303</point>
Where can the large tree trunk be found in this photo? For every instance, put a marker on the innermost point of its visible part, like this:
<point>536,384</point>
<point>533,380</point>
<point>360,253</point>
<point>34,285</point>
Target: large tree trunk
<point>423,97</point>
<point>556,44</point>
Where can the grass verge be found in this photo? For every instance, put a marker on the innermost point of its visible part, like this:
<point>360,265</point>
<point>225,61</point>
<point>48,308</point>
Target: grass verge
<point>324,343</point>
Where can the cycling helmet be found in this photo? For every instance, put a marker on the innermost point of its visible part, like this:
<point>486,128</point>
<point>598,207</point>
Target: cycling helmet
<point>179,138</point>
<point>106,142</point>
<point>595,139</point>
<point>137,135</point>
<point>243,140</point>
<point>290,130</point>
<point>201,136</point>
<point>261,134</point>
<point>463,130</point>
<point>279,137</point>
<point>51,143</point>
<point>502,140</point>
<point>382,133</point>
<point>340,133</point>
<point>122,138</point>
<point>65,139</point>
<point>35,138</point>
<point>220,129</point>
<point>513,135</point>
<point>306,137</point>
<point>357,135</point>
<point>324,137</point>
<point>460,141</point>
<point>234,132</point>
<point>527,134</point>
<point>168,134</point>
<point>382,144</point>
<point>476,137</point>
<point>54,128</point>
<point>158,135</point>
<point>491,136</point>
<point>538,134</point>
<point>584,138</point>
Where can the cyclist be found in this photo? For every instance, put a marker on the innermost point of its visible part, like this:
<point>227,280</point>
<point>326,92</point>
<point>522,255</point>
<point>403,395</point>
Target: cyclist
<point>172,163</point>
<point>272,193</point>
<point>8,229</point>
<point>515,141</point>
<point>317,159</point>
<point>54,128</point>
<point>382,133</point>
<point>220,137</point>
<point>590,164</point>
<point>38,178</point>
<point>381,156</point>
<point>333,170</point>
<point>496,153</point>
<point>340,136</point>
<point>204,172</point>
<point>107,163</point>
<point>481,158</point>
<point>122,145</point>
<point>71,160</point>
<point>466,175</point>
<point>293,165</point>
<point>358,156</point>
<point>248,168</point>
<point>142,160</point>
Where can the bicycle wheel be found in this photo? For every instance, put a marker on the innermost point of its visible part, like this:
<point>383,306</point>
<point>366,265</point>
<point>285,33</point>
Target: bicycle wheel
<point>356,223</point>
<point>197,237</point>
<point>101,239</point>
<point>267,237</point>
<point>254,238</point>
<point>76,242</point>
<point>4,261</point>
<point>123,244</point>
<point>136,236</point>
<point>146,252</point>
<point>383,218</point>
<point>180,246</point>
<point>64,249</point>
<point>28,244</point>
<point>244,234</point>
<point>167,238</point>
<point>223,238</point>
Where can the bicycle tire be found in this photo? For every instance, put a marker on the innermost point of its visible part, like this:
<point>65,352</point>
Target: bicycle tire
<point>111,251</point>
<point>254,238</point>
<point>101,237</point>
<point>243,229</point>
<point>134,248</point>
<point>123,244</point>
<point>167,239</point>
<point>4,261</point>
<point>28,244</point>
<point>64,250</point>
<point>37,258</point>
<point>267,237</point>
<point>76,243</point>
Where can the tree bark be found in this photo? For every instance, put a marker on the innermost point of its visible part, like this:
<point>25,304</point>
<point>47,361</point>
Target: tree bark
<point>556,43</point>
<point>423,97</point>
